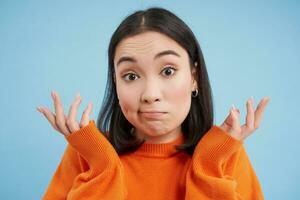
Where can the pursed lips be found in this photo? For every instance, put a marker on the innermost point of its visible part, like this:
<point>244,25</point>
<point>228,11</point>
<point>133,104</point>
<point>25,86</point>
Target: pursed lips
<point>152,113</point>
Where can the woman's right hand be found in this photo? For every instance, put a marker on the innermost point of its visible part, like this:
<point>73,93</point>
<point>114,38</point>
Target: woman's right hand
<point>62,123</point>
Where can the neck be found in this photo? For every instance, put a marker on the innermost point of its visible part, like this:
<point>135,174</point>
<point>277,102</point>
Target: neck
<point>160,139</point>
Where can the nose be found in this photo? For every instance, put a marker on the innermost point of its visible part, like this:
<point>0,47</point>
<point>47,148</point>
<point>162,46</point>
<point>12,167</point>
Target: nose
<point>151,92</point>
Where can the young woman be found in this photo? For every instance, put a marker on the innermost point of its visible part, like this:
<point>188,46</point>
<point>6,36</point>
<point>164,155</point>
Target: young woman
<point>155,137</point>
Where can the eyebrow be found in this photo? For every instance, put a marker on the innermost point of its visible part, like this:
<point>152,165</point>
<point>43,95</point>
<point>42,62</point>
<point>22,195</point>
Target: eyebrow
<point>163,53</point>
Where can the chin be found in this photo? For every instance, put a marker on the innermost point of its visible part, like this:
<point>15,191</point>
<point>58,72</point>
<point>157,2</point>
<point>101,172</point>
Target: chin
<point>154,131</point>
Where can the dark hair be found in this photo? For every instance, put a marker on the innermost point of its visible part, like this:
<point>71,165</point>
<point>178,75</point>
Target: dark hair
<point>111,121</point>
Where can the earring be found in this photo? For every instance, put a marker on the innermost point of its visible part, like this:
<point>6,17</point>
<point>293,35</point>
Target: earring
<point>195,93</point>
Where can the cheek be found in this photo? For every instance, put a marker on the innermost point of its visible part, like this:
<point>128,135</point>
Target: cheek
<point>180,97</point>
<point>127,100</point>
<point>179,90</point>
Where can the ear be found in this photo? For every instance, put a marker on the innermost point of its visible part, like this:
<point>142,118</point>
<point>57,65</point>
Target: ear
<point>194,79</point>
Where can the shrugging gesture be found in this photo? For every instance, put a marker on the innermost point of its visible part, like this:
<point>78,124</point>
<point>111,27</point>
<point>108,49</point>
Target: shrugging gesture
<point>232,124</point>
<point>62,123</point>
<point>89,159</point>
<point>220,166</point>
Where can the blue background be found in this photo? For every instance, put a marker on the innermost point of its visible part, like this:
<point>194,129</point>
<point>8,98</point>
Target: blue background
<point>250,48</point>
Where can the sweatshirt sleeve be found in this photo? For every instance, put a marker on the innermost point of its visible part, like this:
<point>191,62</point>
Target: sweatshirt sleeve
<point>90,169</point>
<point>221,169</point>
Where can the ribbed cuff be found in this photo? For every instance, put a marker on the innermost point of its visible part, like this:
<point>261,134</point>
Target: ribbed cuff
<point>217,146</point>
<point>93,146</point>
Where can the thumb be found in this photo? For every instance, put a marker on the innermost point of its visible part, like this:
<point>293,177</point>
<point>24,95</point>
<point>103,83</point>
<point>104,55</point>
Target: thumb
<point>85,116</point>
<point>235,118</point>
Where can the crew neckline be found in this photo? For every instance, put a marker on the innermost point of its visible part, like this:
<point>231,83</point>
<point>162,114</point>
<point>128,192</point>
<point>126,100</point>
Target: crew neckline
<point>160,150</point>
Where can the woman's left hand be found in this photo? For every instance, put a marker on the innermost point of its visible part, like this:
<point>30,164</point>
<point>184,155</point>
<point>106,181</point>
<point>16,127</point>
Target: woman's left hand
<point>232,125</point>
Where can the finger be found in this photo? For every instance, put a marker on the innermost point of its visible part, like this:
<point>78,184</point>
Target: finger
<point>85,116</point>
<point>235,118</point>
<point>250,114</point>
<point>232,115</point>
<point>71,121</point>
<point>66,118</point>
<point>60,116</point>
<point>49,116</point>
<point>235,124</point>
<point>260,110</point>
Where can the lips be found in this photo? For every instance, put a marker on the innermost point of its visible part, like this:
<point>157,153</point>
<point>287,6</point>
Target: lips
<point>151,111</point>
<point>152,114</point>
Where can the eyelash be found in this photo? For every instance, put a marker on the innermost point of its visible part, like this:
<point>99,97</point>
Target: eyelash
<point>124,76</point>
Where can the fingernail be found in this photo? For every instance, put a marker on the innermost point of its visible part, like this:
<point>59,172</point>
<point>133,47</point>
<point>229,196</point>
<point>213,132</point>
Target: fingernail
<point>53,94</point>
<point>77,95</point>
<point>251,99</point>
<point>267,99</point>
<point>232,107</point>
<point>232,111</point>
<point>39,108</point>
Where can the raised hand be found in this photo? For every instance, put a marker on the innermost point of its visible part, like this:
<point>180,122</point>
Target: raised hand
<point>61,122</point>
<point>232,125</point>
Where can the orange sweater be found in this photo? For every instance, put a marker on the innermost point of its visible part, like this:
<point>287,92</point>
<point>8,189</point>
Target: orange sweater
<point>91,169</point>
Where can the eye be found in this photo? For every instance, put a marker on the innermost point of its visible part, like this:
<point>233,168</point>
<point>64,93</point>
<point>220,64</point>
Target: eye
<point>169,71</point>
<point>129,77</point>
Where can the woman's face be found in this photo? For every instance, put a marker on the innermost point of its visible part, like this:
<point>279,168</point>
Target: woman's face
<point>154,84</point>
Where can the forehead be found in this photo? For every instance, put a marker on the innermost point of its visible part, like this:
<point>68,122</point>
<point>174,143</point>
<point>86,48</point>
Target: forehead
<point>147,44</point>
